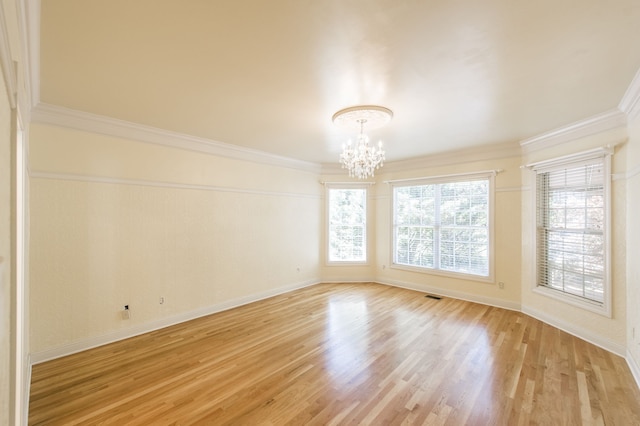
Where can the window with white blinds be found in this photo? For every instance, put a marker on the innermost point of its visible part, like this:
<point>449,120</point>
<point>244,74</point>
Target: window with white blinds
<point>572,242</point>
<point>347,214</point>
<point>444,225</point>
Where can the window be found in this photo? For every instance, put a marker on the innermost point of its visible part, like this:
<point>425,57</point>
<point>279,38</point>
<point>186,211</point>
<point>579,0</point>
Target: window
<point>347,224</point>
<point>572,202</point>
<point>444,224</point>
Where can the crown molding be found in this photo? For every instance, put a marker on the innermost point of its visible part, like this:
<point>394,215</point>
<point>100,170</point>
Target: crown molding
<point>6,61</point>
<point>467,155</point>
<point>591,126</point>
<point>29,20</point>
<point>79,120</point>
<point>630,103</point>
<point>449,158</point>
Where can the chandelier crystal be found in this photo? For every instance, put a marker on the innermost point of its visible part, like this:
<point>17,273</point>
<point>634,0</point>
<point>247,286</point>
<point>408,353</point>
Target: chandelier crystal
<point>362,159</point>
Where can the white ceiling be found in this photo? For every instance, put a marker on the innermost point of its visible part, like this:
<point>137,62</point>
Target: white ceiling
<point>269,75</point>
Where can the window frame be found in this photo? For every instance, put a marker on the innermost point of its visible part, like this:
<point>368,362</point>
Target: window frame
<point>572,161</point>
<point>346,186</point>
<point>453,178</point>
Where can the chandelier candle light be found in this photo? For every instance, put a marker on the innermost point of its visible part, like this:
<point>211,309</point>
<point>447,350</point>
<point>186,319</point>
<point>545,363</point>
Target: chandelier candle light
<point>362,159</point>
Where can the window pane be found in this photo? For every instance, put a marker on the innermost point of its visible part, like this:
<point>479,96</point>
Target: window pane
<point>570,239</point>
<point>443,226</point>
<point>347,225</point>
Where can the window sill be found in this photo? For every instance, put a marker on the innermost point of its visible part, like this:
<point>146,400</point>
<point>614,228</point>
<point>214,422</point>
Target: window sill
<point>347,263</point>
<point>448,274</point>
<point>596,307</point>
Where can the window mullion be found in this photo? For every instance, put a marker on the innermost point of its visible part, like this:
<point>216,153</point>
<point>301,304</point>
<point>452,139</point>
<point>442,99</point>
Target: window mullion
<point>436,228</point>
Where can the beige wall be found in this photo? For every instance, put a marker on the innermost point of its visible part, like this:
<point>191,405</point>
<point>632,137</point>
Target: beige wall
<point>115,222</point>
<point>118,222</point>
<point>6,346</point>
<point>606,332</point>
<point>633,246</point>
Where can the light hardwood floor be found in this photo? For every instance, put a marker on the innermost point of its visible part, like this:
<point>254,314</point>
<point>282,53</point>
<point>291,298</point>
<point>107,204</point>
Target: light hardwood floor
<point>342,354</point>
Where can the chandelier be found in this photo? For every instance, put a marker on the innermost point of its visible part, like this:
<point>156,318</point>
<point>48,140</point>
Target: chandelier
<point>362,159</point>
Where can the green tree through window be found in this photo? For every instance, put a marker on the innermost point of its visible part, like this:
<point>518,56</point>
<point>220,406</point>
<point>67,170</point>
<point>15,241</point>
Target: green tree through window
<point>443,226</point>
<point>347,225</point>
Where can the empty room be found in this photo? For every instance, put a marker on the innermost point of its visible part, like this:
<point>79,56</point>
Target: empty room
<point>320,212</point>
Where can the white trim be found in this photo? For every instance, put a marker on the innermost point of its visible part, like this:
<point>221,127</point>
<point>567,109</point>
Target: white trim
<point>569,299</point>
<point>29,27</point>
<point>160,184</point>
<point>443,273</point>
<point>633,366</point>
<point>6,61</point>
<point>490,175</point>
<point>618,176</point>
<point>80,120</point>
<point>468,155</point>
<point>367,225</point>
<point>446,178</point>
<point>571,158</point>
<point>579,332</point>
<point>349,281</point>
<point>582,333</point>
<point>114,336</point>
<point>351,263</point>
<point>354,184</point>
<point>631,173</point>
<point>27,390</point>
<point>483,300</point>
<point>630,102</point>
<point>605,308</point>
<point>21,269</point>
<point>512,189</point>
<point>590,126</point>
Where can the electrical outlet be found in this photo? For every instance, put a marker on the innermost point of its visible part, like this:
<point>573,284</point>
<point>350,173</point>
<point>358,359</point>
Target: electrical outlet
<point>501,285</point>
<point>126,314</point>
<point>161,300</point>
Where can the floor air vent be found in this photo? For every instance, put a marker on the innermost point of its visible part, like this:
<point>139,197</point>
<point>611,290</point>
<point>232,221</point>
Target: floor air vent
<point>433,296</point>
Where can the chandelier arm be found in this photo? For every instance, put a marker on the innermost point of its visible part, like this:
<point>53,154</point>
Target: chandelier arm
<point>362,159</point>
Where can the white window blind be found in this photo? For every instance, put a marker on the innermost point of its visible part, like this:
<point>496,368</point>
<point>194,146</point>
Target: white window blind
<point>443,226</point>
<point>571,218</point>
<point>347,225</point>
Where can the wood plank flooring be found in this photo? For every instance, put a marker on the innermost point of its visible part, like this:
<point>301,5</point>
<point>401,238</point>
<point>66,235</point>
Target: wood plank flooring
<point>335,354</point>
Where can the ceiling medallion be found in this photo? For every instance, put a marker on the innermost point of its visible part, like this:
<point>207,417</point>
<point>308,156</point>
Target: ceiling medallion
<point>362,159</point>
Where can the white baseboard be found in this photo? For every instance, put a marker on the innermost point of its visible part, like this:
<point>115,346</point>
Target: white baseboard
<point>579,332</point>
<point>348,281</point>
<point>92,342</point>
<point>634,367</point>
<point>27,392</point>
<point>500,303</point>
